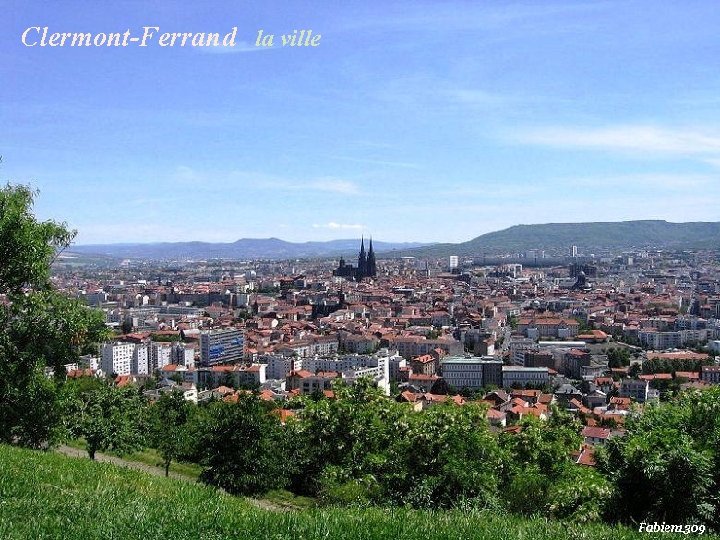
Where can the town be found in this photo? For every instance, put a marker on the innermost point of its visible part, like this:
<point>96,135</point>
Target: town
<point>597,337</point>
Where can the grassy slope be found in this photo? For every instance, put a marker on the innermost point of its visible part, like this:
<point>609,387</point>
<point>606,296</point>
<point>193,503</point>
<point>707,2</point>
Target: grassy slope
<point>149,457</point>
<point>46,495</point>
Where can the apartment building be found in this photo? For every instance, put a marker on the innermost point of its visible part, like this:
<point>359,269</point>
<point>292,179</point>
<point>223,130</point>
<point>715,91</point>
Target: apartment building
<point>471,372</point>
<point>160,355</point>
<point>639,390</point>
<point>411,346</point>
<point>117,358</point>
<point>710,374</point>
<point>221,347</point>
<point>278,365</point>
<point>522,376</point>
<point>541,327</point>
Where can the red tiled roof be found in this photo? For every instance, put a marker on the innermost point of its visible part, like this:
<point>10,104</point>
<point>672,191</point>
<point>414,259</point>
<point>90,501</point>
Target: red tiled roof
<point>302,373</point>
<point>494,414</point>
<point>586,456</point>
<point>595,432</point>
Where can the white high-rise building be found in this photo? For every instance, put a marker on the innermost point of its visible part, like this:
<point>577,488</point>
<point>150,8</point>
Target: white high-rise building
<point>183,355</point>
<point>518,347</point>
<point>278,366</point>
<point>160,355</point>
<point>117,358</point>
<point>140,360</point>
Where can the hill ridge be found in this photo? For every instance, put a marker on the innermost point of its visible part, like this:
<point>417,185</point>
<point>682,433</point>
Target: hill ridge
<point>243,248</point>
<point>558,238</point>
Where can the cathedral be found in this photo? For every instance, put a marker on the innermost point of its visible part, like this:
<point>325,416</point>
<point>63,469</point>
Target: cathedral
<point>366,266</point>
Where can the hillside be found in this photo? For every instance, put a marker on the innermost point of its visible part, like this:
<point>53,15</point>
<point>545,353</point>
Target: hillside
<point>245,248</point>
<point>554,238</point>
<point>557,238</point>
<point>47,495</point>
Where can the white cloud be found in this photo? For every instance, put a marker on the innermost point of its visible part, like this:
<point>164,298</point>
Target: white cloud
<point>332,185</point>
<point>476,97</point>
<point>250,180</point>
<point>338,226</point>
<point>629,138</point>
<point>401,164</point>
<point>648,180</point>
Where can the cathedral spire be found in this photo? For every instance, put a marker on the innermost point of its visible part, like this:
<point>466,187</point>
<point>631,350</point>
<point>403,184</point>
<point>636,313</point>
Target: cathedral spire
<point>371,264</point>
<point>362,261</point>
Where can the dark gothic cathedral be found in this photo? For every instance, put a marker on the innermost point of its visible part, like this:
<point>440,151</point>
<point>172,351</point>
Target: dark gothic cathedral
<point>366,266</point>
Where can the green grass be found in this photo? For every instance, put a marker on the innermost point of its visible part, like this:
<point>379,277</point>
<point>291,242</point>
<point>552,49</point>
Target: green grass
<point>149,456</point>
<point>47,495</point>
<point>287,499</point>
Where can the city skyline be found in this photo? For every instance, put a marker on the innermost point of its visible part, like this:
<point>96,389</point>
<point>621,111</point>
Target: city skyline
<point>433,122</point>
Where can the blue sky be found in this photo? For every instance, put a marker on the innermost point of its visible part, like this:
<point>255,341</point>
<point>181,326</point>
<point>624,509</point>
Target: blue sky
<point>411,121</point>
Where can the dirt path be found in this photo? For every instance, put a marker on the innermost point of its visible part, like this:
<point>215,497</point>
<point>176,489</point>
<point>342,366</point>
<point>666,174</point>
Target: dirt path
<point>69,451</point>
<point>105,458</point>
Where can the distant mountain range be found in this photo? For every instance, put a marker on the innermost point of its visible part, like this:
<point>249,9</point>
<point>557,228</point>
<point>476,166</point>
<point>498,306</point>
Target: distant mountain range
<point>243,249</point>
<point>589,237</point>
<point>554,238</point>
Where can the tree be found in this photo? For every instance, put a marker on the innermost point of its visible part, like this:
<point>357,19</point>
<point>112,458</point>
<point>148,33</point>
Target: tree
<point>618,357</point>
<point>27,247</point>
<point>362,448</point>
<point>165,338</point>
<point>110,418</point>
<point>583,327</point>
<point>169,418</point>
<point>665,468</point>
<point>446,457</point>
<point>634,370</point>
<point>540,463</point>
<point>126,326</point>
<point>243,448</point>
<point>39,328</point>
<point>581,494</point>
<point>228,380</point>
<point>340,441</point>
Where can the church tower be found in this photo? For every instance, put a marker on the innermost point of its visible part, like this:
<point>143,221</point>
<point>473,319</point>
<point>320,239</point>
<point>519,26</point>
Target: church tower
<point>371,265</point>
<point>362,261</point>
